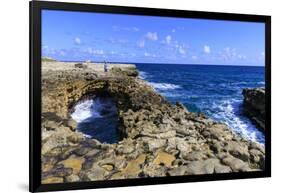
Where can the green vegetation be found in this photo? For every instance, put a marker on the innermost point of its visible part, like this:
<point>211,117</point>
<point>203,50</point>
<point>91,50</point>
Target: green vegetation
<point>47,59</point>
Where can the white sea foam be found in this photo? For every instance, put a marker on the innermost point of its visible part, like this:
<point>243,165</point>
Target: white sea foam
<point>226,112</point>
<point>83,110</point>
<point>143,75</point>
<point>94,108</point>
<point>164,86</point>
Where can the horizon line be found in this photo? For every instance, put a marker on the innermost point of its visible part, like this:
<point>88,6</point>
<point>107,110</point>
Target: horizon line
<point>120,62</point>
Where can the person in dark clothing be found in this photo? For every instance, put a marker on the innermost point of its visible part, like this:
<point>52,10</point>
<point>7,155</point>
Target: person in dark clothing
<point>105,66</point>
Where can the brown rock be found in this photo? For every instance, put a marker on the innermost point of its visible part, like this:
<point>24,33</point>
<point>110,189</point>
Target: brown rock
<point>74,162</point>
<point>164,158</point>
<point>52,180</point>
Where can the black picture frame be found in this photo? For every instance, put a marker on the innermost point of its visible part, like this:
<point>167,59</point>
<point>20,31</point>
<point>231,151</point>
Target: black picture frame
<point>35,94</point>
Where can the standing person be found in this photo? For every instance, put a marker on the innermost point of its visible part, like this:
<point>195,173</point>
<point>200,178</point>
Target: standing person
<point>105,66</point>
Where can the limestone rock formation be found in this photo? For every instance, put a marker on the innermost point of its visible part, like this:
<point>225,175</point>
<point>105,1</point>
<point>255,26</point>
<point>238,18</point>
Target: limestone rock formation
<point>158,138</point>
<point>254,105</point>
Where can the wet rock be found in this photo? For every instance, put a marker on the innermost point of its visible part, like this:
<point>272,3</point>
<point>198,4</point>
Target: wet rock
<point>254,105</point>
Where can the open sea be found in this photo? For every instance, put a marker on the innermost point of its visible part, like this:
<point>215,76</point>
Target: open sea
<point>212,89</point>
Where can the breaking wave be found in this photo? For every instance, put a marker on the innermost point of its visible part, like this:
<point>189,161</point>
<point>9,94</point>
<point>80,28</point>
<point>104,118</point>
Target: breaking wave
<point>93,108</point>
<point>164,86</point>
<point>229,111</point>
<point>98,118</point>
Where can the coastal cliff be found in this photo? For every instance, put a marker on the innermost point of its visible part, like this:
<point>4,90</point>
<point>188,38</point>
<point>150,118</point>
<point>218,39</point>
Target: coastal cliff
<point>254,105</point>
<point>157,138</point>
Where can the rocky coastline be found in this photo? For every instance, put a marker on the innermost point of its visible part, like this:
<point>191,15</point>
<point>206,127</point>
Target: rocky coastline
<point>157,138</point>
<point>254,105</point>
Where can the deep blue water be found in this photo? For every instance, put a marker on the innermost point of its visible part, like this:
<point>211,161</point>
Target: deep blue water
<point>98,118</point>
<point>213,90</point>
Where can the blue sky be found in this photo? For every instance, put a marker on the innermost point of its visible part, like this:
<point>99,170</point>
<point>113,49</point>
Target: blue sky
<point>80,36</point>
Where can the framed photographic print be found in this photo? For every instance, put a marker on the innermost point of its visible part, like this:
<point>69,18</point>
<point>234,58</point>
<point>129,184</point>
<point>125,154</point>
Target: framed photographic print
<point>126,96</point>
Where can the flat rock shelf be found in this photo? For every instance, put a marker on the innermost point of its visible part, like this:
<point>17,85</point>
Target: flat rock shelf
<point>156,138</point>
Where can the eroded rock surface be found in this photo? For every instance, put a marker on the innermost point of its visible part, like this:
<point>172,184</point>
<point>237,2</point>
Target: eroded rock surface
<point>158,138</point>
<point>254,105</point>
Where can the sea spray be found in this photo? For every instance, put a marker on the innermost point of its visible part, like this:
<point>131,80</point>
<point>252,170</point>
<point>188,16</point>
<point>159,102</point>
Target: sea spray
<point>97,118</point>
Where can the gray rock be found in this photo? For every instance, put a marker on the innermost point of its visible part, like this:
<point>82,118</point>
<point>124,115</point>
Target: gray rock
<point>194,156</point>
<point>237,150</point>
<point>154,144</point>
<point>202,167</point>
<point>178,171</point>
<point>222,169</point>
<point>72,178</point>
<point>236,164</point>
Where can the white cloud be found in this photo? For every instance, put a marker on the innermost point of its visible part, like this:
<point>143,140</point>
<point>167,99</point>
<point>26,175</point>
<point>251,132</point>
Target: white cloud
<point>45,47</point>
<point>99,52</point>
<point>62,53</point>
<point>151,36</point>
<point>77,41</point>
<point>135,29</point>
<point>262,56</point>
<point>231,54</point>
<point>181,50</point>
<point>119,28</point>
<point>240,56</point>
<point>168,39</point>
<point>50,51</point>
<point>95,51</point>
<point>149,55</point>
<point>207,49</point>
<point>141,43</point>
<point>194,57</point>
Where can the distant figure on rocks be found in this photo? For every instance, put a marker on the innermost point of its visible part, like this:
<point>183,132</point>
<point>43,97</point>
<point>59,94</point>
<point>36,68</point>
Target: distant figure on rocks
<point>105,66</point>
